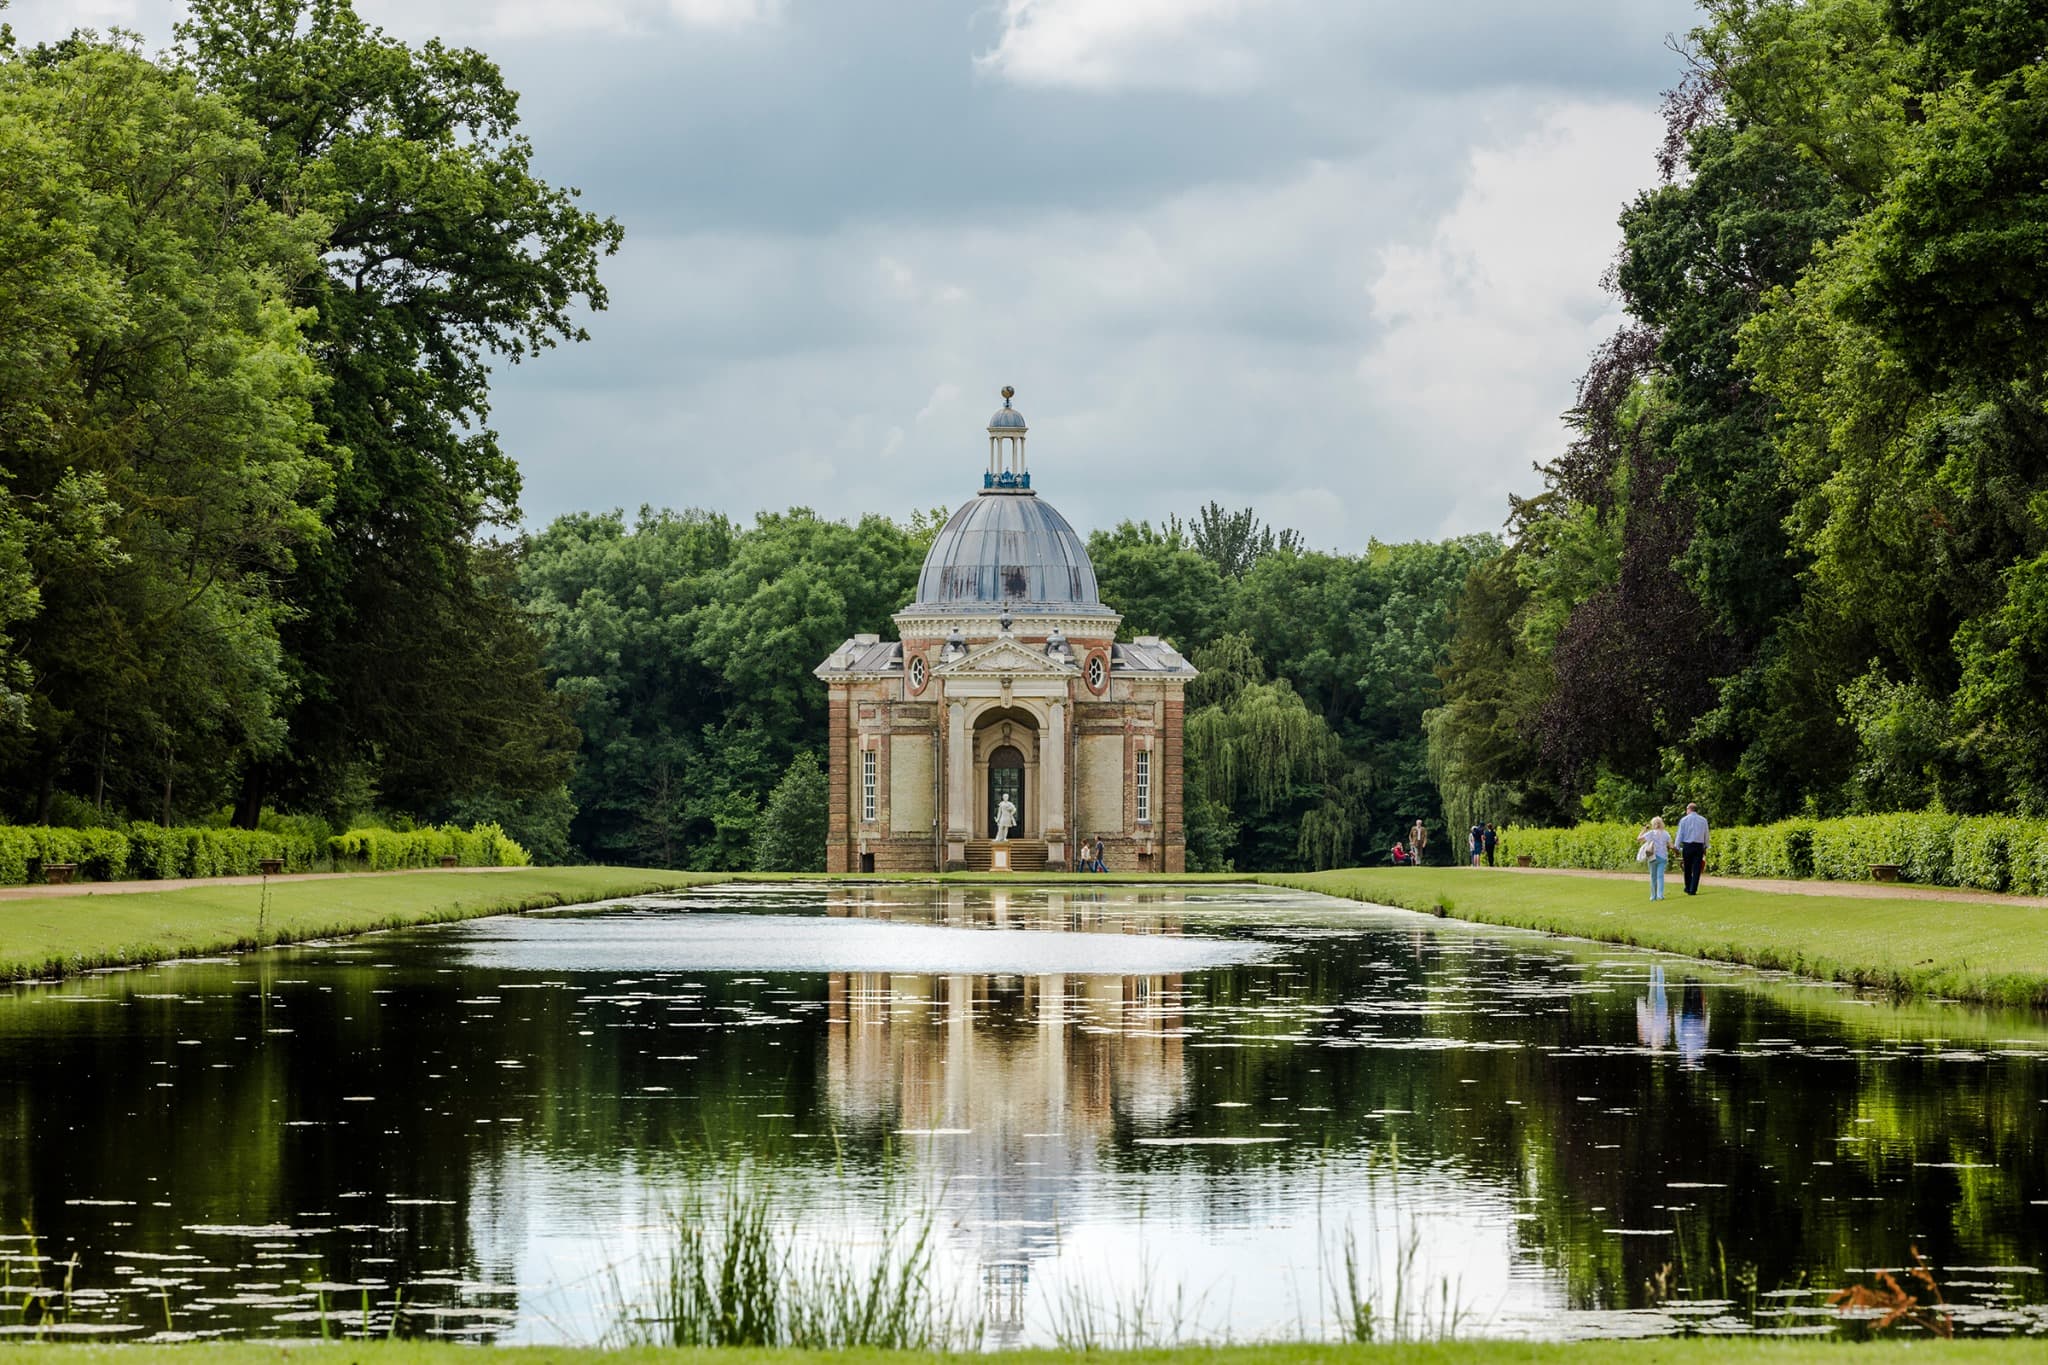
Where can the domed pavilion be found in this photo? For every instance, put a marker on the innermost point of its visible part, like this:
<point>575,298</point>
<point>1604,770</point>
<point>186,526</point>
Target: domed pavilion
<point>1007,681</point>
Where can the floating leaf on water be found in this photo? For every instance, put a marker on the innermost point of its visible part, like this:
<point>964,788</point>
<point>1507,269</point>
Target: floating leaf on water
<point>1207,1141</point>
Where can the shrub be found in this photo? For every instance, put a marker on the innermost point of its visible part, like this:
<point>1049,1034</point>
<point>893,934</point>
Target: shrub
<point>1928,844</point>
<point>387,850</point>
<point>1605,845</point>
<point>153,853</point>
<point>1981,852</point>
<point>17,848</point>
<point>25,850</point>
<point>2026,849</point>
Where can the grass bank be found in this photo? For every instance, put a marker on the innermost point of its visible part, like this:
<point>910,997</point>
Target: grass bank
<point>1695,1351</point>
<point>1996,954</point>
<point>63,934</point>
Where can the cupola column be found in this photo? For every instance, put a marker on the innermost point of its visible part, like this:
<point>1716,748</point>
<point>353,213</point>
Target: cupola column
<point>1006,467</point>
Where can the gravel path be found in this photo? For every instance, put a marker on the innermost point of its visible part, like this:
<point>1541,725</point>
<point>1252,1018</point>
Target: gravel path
<point>1864,890</point>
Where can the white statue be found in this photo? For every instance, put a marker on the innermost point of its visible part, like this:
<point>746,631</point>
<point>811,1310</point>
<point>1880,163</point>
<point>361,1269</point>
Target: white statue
<point>1006,816</point>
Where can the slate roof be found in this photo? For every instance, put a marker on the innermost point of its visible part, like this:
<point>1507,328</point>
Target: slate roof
<point>1148,654</point>
<point>863,654</point>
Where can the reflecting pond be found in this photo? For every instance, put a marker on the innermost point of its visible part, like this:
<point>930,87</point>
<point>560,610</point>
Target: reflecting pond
<point>1224,1103</point>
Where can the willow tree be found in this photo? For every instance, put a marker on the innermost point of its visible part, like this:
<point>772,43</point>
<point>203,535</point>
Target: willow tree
<point>1255,750</point>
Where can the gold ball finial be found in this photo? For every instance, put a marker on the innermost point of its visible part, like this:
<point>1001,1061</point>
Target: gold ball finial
<point>1008,394</point>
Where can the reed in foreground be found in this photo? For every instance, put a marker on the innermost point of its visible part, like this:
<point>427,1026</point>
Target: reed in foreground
<point>732,1269</point>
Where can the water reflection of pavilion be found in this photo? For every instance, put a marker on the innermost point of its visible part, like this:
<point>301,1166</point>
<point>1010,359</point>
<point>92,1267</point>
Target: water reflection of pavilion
<point>1006,1088</point>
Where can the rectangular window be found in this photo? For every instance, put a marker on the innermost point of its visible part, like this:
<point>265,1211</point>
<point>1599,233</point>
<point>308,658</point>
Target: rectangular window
<point>867,786</point>
<point>1144,786</point>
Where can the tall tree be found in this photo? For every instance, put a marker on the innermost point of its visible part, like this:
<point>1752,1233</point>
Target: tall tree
<point>446,252</point>
<point>1234,541</point>
<point>161,460</point>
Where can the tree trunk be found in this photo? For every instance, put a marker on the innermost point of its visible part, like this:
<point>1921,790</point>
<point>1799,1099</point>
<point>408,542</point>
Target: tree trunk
<point>249,804</point>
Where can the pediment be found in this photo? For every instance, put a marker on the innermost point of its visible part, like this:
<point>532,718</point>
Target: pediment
<point>1007,658</point>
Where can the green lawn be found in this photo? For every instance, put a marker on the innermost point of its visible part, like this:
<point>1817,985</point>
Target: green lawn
<point>1992,953</point>
<point>1683,1352</point>
<point>1997,954</point>
<point>48,936</point>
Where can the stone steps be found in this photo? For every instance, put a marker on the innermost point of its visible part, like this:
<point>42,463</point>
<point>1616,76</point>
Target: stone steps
<point>1026,855</point>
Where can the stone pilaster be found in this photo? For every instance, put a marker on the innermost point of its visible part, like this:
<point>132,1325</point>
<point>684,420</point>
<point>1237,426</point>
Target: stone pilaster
<point>1172,821</point>
<point>1052,783</point>
<point>838,827</point>
<point>959,781</point>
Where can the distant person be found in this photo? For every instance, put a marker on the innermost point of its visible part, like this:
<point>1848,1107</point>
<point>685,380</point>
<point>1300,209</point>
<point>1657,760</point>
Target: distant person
<point>1101,862</point>
<point>1653,846</point>
<point>1492,840</point>
<point>1418,840</point>
<point>1399,855</point>
<point>1692,846</point>
<point>1475,843</point>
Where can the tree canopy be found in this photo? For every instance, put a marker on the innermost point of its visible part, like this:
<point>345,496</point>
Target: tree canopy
<point>259,542</point>
<point>252,290</point>
<point>1795,560</point>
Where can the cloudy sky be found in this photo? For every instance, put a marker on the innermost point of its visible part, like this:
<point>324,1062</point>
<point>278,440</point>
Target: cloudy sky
<point>1336,259</point>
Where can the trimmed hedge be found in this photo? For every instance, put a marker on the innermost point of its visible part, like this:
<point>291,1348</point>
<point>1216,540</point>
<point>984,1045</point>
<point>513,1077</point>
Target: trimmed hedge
<point>381,850</point>
<point>144,852</point>
<point>1982,852</point>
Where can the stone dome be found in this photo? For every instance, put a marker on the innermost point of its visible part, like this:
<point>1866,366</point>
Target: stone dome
<point>1008,550</point>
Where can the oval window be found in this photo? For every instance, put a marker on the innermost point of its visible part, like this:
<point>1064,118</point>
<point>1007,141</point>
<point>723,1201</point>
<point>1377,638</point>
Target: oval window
<point>917,674</point>
<point>1096,673</point>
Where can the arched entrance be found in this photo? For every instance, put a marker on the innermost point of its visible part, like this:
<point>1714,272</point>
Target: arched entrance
<point>1005,778</point>
<point>1006,761</point>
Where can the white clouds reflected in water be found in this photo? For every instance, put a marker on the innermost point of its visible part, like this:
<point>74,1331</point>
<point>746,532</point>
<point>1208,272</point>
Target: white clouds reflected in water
<point>1339,261</point>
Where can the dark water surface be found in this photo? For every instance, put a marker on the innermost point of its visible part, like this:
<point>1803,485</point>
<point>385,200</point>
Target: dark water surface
<point>1106,1095</point>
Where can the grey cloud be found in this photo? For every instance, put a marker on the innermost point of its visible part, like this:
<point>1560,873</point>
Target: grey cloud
<point>1288,293</point>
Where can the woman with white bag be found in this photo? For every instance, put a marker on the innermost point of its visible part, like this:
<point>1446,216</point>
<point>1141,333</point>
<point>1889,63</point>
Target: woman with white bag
<point>1653,846</point>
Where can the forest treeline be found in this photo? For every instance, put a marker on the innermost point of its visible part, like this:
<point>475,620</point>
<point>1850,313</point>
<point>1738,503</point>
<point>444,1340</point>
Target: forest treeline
<point>251,292</point>
<point>1796,559</point>
<point>259,544</point>
<point>687,644</point>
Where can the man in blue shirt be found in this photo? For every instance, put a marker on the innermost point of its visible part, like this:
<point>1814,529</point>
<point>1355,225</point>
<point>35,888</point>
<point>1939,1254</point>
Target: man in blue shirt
<point>1692,846</point>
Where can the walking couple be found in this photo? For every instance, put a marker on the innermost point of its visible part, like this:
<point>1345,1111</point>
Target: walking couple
<point>1653,846</point>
